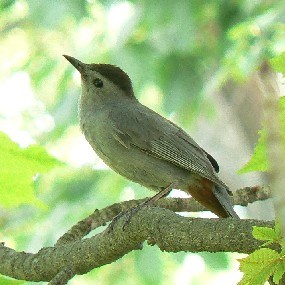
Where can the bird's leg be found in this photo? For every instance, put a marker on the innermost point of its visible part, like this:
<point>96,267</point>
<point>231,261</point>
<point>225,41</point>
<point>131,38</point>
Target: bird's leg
<point>162,193</point>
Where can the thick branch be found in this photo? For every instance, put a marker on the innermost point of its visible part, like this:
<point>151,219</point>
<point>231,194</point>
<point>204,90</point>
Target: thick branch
<point>99,218</point>
<point>169,231</point>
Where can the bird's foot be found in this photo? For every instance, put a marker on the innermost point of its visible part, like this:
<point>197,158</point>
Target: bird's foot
<point>131,212</point>
<point>128,215</point>
<point>114,221</point>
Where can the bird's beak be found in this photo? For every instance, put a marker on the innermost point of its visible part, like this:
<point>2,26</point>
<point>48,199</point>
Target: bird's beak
<point>80,66</point>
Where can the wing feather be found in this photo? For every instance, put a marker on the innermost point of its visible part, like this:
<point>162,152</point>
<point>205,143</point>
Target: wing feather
<point>144,129</point>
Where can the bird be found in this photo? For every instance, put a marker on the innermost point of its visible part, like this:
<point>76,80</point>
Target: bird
<point>140,144</point>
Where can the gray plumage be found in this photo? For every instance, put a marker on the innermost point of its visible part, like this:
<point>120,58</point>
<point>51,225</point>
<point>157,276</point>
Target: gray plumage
<point>140,144</point>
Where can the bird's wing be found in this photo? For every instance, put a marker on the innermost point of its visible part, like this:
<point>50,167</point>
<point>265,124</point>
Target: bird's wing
<point>143,128</point>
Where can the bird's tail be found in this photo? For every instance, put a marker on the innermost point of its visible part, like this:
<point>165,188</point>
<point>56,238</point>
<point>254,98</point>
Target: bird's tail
<point>214,197</point>
<point>222,195</point>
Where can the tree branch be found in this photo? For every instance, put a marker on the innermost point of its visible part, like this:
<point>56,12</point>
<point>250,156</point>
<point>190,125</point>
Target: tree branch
<point>242,197</point>
<point>161,227</point>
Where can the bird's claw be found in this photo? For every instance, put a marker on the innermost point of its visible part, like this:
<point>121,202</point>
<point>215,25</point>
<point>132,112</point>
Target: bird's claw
<point>129,213</point>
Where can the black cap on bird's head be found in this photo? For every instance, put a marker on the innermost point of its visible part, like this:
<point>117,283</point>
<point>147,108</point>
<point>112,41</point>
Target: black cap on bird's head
<point>111,72</point>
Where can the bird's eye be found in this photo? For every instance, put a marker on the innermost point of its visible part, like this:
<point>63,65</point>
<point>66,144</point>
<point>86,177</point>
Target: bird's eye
<point>98,83</point>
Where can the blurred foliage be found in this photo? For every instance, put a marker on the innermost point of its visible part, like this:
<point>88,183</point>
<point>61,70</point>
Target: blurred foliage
<point>278,63</point>
<point>175,53</point>
<point>19,166</point>
<point>9,281</point>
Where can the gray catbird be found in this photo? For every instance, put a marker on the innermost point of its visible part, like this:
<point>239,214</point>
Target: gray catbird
<point>141,145</point>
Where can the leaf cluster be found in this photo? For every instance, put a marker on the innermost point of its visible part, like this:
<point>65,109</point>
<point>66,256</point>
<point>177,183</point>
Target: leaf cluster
<point>265,262</point>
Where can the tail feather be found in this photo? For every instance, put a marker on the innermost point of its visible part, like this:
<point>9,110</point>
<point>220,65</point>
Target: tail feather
<point>214,197</point>
<point>222,195</point>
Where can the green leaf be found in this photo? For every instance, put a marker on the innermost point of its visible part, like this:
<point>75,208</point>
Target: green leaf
<point>259,266</point>
<point>278,63</point>
<point>18,168</point>
<point>269,234</point>
<point>277,229</point>
<point>264,233</point>
<point>279,272</point>
<point>258,161</point>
